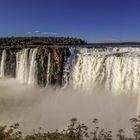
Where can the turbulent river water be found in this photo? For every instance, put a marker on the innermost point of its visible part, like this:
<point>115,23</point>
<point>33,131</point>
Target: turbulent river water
<point>99,83</point>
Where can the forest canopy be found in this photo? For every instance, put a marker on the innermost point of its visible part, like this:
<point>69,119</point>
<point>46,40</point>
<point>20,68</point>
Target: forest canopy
<point>13,41</point>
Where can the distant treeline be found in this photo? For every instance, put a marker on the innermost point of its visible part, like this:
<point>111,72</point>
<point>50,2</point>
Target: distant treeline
<point>11,41</point>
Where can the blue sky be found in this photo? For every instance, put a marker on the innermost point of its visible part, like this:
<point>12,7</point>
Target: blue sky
<point>92,20</point>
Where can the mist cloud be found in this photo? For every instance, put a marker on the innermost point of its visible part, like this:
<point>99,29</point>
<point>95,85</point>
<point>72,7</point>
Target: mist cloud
<point>52,109</point>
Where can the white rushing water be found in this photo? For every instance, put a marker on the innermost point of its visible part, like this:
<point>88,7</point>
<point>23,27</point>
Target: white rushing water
<point>115,70</point>
<point>32,67</point>
<point>69,64</point>
<point>26,71</point>
<point>48,69</point>
<point>3,58</point>
<point>22,65</point>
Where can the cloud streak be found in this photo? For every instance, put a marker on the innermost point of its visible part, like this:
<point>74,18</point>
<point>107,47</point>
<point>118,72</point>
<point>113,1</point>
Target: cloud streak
<point>48,33</point>
<point>36,31</point>
<point>28,33</point>
<point>41,33</point>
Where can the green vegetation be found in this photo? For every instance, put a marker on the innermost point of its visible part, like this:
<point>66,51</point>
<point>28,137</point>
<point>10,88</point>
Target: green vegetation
<point>75,131</point>
<point>31,41</point>
<point>54,56</point>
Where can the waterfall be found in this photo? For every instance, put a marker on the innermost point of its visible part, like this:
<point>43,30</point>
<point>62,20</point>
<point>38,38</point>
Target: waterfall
<point>26,66</point>
<point>116,71</point>
<point>48,69</point>
<point>2,65</point>
<point>32,67</point>
<point>22,65</point>
<point>113,69</point>
<point>68,66</point>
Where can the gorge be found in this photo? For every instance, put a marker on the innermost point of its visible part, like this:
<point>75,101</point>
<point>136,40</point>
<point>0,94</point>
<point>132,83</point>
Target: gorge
<point>114,68</point>
<point>52,84</point>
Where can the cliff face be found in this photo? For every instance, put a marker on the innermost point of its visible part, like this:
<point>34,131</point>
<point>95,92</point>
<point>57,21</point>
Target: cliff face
<point>113,69</point>
<point>51,65</point>
<point>42,66</point>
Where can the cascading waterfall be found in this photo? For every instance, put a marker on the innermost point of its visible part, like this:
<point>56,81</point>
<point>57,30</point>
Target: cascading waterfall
<point>33,67</point>
<point>109,70</point>
<point>22,65</point>
<point>68,66</point>
<point>26,66</point>
<point>116,71</point>
<point>3,58</point>
<point>113,69</point>
<point>48,69</point>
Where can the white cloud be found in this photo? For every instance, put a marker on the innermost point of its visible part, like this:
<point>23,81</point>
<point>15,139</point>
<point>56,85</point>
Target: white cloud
<point>44,33</point>
<point>48,33</point>
<point>28,33</point>
<point>41,33</point>
<point>36,31</point>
